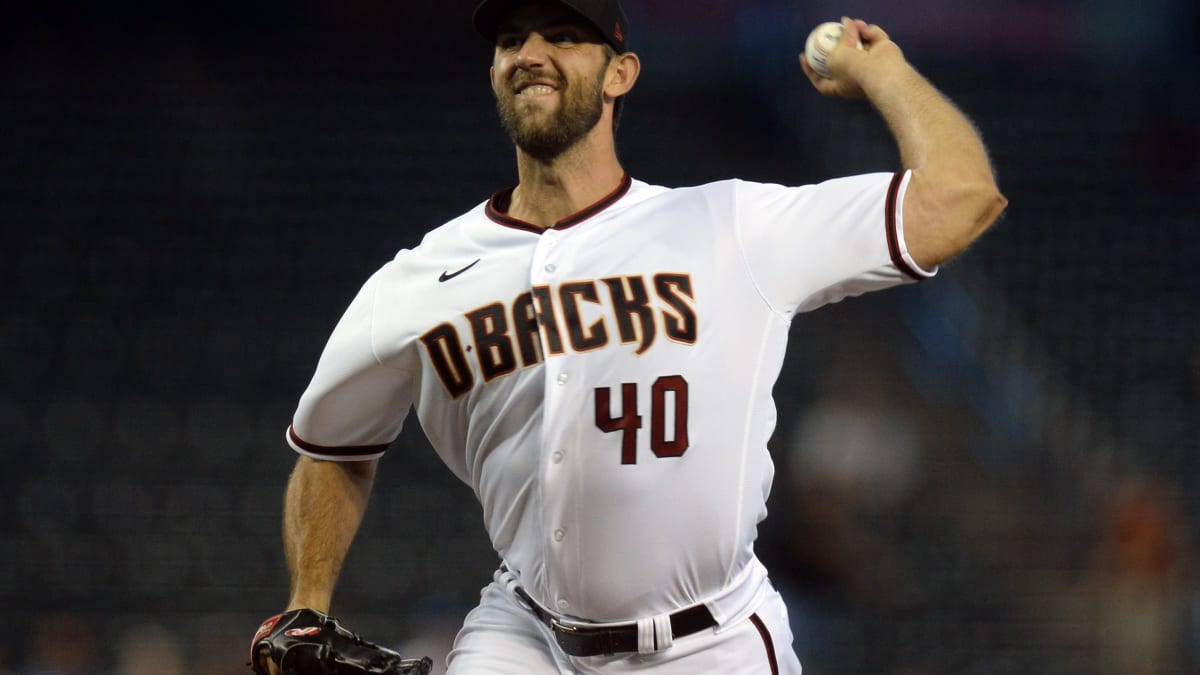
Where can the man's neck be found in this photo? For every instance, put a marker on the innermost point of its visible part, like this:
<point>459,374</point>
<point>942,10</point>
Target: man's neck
<point>551,191</point>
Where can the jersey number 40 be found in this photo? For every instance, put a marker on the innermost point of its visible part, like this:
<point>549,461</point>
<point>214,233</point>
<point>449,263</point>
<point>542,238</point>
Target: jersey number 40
<point>630,421</point>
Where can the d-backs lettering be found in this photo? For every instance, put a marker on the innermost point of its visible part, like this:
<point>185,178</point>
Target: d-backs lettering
<point>549,318</point>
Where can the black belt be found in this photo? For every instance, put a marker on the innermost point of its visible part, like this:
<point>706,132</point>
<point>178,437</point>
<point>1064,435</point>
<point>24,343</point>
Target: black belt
<point>584,641</point>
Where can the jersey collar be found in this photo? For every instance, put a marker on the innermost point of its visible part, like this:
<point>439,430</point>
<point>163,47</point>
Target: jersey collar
<point>500,201</point>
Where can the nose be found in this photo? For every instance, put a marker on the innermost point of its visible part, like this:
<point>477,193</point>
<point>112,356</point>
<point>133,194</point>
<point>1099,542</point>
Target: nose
<point>532,53</point>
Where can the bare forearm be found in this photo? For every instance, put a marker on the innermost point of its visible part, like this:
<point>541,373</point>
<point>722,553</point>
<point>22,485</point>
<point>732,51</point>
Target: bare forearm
<point>323,509</point>
<point>933,135</point>
<point>952,196</point>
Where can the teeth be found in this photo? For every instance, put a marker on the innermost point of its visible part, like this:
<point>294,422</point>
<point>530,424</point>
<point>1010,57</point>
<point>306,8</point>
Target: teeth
<point>536,89</point>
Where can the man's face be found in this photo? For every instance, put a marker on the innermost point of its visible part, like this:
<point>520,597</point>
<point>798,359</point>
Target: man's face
<point>548,77</point>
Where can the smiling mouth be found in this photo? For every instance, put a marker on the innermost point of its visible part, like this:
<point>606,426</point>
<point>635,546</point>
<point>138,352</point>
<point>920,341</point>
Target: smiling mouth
<point>536,90</point>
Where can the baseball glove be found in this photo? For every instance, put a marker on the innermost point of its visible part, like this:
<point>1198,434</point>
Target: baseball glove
<point>307,642</point>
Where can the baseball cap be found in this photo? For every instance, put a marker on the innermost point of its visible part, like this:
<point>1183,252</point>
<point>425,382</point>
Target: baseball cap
<point>606,16</point>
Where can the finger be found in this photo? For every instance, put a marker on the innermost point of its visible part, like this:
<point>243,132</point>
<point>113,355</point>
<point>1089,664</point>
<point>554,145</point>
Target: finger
<point>806,67</point>
<point>262,661</point>
<point>820,82</point>
<point>852,35</point>
<point>872,33</point>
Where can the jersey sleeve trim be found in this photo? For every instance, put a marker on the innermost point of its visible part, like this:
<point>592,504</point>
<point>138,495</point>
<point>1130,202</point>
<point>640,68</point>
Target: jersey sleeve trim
<point>344,453</point>
<point>894,222</point>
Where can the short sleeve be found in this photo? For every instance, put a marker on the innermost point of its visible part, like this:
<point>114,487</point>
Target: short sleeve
<point>816,244</point>
<point>355,405</point>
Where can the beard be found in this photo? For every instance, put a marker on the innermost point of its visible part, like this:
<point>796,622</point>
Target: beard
<point>579,110</point>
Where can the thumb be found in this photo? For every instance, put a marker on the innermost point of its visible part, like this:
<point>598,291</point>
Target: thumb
<point>263,661</point>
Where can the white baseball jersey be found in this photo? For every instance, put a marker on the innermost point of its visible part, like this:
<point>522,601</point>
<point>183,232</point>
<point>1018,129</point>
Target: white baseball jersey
<point>604,386</point>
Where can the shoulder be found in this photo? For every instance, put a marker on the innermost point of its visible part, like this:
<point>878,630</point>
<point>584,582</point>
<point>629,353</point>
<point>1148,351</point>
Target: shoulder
<point>722,198</point>
<point>727,187</point>
<point>435,247</point>
<point>451,233</point>
<point>646,193</point>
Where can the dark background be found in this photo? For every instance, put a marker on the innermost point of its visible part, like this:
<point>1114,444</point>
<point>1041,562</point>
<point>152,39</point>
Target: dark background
<point>993,472</point>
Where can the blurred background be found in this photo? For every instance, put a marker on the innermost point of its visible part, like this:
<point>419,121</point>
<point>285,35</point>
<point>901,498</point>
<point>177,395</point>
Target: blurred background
<point>993,472</point>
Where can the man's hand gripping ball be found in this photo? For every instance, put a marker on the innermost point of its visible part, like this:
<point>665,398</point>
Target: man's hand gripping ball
<point>307,642</point>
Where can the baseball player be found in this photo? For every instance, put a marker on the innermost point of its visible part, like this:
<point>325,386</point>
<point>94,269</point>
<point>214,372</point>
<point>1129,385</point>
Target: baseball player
<point>595,356</point>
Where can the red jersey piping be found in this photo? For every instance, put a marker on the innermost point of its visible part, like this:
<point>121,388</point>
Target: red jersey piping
<point>893,233</point>
<point>345,451</point>
<point>767,642</point>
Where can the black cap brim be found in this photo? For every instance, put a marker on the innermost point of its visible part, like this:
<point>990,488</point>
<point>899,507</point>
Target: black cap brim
<point>491,13</point>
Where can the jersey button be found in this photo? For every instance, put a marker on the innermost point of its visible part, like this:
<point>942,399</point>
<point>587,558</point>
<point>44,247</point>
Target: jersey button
<point>559,534</point>
<point>563,377</point>
<point>557,457</point>
<point>563,604</point>
<point>550,268</point>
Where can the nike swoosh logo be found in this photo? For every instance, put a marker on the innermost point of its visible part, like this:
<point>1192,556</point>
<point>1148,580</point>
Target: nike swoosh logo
<point>447,276</point>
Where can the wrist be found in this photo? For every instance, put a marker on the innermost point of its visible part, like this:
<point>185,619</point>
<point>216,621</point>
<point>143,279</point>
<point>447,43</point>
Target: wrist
<point>885,76</point>
<point>317,601</point>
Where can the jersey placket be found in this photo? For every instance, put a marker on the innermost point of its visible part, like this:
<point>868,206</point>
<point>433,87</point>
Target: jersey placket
<point>557,467</point>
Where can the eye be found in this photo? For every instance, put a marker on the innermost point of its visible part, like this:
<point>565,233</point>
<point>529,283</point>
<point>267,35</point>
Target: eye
<point>508,41</point>
<point>564,37</point>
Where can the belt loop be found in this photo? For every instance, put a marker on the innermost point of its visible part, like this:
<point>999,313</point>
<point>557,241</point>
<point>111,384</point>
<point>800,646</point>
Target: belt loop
<point>509,579</point>
<point>645,628</point>
<point>663,632</point>
<point>654,634</point>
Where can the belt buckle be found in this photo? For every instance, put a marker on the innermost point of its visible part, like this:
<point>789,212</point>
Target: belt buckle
<point>566,636</point>
<point>557,625</point>
<point>574,640</point>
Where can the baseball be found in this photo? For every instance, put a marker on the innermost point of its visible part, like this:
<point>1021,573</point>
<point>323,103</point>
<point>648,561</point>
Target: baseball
<point>820,44</point>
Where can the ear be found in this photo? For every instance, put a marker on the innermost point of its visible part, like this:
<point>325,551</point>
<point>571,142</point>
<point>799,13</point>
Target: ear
<point>492,77</point>
<point>622,74</point>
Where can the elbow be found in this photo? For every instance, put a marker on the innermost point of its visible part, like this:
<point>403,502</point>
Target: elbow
<point>942,221</point>
<point>987,204</point>
<point>992,204</point>
<point>979,206</point>
<point>984,210</point>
